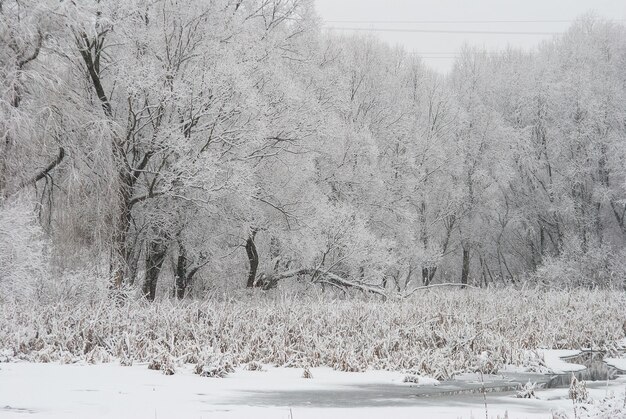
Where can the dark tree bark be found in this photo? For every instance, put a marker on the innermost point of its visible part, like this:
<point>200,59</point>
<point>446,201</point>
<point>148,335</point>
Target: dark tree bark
<point>186,269</point>
<point>428,274</point>
<point>184,282</point>
<point>253,260</point>
<point>182,263</point>
<point>466,265</point>
<point>154,261</point>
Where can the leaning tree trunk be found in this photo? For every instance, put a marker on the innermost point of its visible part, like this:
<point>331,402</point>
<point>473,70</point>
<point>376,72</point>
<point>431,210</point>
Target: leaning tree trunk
<point>154,261</point>
<point>253,259</point>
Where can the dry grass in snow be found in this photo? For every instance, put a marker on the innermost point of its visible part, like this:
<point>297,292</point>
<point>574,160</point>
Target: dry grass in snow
<point>435,333</point>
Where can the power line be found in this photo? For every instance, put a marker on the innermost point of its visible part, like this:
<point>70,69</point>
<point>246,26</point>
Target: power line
<point>453,53</point>
<point>338,28</point>
<point>459,53</point>
<point>420,22</point>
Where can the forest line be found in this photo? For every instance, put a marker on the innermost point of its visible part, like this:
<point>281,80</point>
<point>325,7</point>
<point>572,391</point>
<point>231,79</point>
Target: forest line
<point>235,143</point>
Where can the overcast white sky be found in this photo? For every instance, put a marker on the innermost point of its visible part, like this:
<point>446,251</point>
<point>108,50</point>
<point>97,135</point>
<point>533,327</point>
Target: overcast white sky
<point>438,48</point>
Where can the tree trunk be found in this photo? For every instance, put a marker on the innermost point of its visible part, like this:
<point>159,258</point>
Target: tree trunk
<point>542,244</point>
<point>133,263</point>
<point>275,253</point>
<point>154,261</point>
<point>619,214</point>
<point>182,265</point>
<point>90,50</point>
<point>426,276</point>
<point>424,234</point>
<point>121,254</point>
<point>466,265</point>
<point>185,270</point>
<point>253,259</point>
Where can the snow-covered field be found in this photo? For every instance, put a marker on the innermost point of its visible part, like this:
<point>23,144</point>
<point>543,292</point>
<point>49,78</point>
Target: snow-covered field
<point>67,360</point>
<point>113,391</point>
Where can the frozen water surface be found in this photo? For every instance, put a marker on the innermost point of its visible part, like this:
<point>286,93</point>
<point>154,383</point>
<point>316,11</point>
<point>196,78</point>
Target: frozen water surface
<point>110,390</point>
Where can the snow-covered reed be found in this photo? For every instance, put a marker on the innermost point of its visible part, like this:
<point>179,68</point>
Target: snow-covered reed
<point>435,332</point>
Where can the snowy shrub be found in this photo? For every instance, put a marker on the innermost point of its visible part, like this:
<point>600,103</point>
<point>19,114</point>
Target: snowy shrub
<point>163,363</point>
<point>487,363</point>
<point>84,285</point>
<point>6,355</point>
<point>597,266</point>
<point>349,363</point>
<point>23,261</point>
<point>415,378</point>
<point>215,366</point>
<point>126,361</point>
<point>307,373</point>
<point>98,355</point>
<point>526,391</point>
<point>25,271</point>
<point>411,378</point>
<point>560,414</point>
<point>533,362</point>
<point>578,392</point>
<point>612,407</point>
<point>254,366</point>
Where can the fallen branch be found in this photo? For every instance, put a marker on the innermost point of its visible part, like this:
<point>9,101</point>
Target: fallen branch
<point>447,284</point>
<point>270,281</point>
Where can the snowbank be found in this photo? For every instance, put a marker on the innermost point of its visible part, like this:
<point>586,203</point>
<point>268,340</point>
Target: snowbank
<point>553,359</point>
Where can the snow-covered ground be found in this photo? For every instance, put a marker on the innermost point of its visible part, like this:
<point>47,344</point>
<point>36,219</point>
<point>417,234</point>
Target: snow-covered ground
<point>619,363</point>
<point>69,339</point>
<point>554,360</point>
<point>113,391</point>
